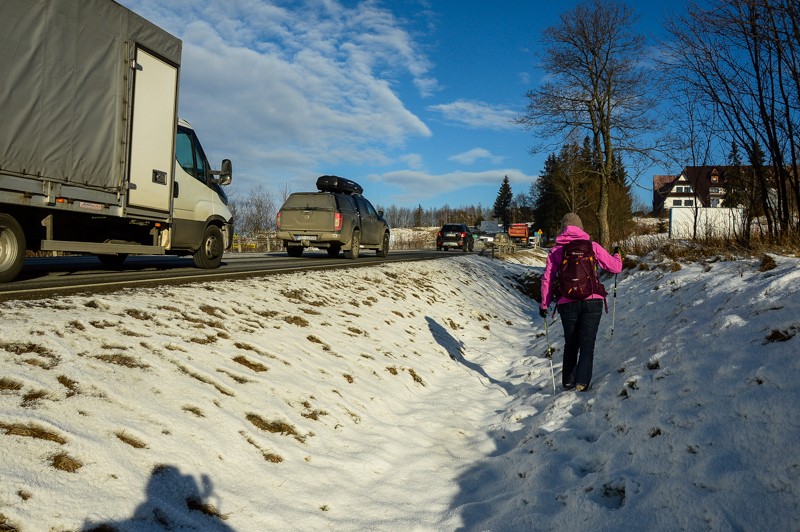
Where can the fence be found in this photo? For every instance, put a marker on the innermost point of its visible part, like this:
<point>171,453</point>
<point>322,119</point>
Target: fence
<point>705,222</point>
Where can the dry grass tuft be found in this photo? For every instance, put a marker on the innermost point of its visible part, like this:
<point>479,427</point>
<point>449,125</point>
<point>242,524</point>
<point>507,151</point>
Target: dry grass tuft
<point>130,440</point>
<point>64,462</point>
<point>194,410</point>
<point>139,314</point>
<point>255,366</point>
<point>32,397</point>
<point>767,263</point>
<point>296,320</point>
<point>193,503</point>
<point>32,431</point>
<point>416,377</point>
<point>275,427</point>
<point>7,384</point>
<point>205,380</point>
<point>122,360</point>
<point>6,526</point>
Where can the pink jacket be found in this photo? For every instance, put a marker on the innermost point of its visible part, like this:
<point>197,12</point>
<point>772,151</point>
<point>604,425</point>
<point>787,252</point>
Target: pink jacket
<point>610,263</point>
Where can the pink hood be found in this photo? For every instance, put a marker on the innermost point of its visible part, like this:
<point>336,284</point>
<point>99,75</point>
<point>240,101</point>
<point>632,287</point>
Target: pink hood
<point>571,233</point>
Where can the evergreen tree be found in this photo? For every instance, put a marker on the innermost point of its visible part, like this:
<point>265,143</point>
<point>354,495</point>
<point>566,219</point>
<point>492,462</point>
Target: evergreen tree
<point>548,205</point>
<point>418,216</point>
<point>502,205</point>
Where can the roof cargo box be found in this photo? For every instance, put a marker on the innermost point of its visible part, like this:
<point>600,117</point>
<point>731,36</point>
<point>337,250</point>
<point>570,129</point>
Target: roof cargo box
<point>332,183</point>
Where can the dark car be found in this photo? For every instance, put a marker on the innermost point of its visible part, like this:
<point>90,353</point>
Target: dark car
<point>455,236</point>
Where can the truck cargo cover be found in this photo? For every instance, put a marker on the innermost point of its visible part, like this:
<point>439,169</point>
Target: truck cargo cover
<point>64,88</point>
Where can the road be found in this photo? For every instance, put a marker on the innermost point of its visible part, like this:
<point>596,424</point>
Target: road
<point>59,276</point>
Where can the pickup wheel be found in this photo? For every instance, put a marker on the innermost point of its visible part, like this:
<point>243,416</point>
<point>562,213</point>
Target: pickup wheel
<point>294,251</point>
<point>355,245</point>
<point>12,248</point>
<point>209,256</point>
<point>384,249</point>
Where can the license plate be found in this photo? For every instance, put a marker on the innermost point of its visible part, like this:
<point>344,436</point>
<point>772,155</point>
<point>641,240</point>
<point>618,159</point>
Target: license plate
<point>305,237</point>
<point>450,235</point>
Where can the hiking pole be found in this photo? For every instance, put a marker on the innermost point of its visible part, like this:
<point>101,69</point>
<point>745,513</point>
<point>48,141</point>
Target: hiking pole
<point>614,307</point>
<point>550,354</point>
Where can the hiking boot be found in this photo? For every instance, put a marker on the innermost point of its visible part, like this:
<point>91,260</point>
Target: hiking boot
<point>580,388</point>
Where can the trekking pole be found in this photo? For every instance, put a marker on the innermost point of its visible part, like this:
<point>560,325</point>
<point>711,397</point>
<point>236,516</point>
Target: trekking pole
<point>614,307</point>
<point>550,355</point>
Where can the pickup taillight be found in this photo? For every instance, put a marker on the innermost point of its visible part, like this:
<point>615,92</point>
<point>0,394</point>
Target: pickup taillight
<point>463,234</point>
<point>338,221</point>
<point>278,221</point>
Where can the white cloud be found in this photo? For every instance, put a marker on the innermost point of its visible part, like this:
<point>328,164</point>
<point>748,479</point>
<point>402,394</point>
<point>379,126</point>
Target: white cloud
<point>475,154</point>
<point>316,84</point>
<point>418,185</point>
<point>476,114</point>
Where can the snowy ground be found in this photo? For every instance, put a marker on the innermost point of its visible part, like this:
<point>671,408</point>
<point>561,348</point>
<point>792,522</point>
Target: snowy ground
<point>404,397</point>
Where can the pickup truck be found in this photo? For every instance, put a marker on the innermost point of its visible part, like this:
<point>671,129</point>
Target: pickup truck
<point>336,218</point>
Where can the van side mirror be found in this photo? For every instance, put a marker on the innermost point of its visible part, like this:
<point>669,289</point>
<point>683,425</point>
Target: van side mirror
<point>225,173</point>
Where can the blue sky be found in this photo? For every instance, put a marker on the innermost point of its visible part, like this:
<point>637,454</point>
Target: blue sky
<point>411,98</point>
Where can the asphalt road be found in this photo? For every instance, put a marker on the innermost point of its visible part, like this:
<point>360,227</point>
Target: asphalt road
<point>58,276</point>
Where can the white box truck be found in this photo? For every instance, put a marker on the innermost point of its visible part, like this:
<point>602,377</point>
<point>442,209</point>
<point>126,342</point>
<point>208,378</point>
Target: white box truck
<point>93,157</point>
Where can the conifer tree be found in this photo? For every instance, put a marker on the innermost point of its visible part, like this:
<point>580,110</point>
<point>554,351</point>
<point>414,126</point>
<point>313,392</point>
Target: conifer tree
<point>502,205</point>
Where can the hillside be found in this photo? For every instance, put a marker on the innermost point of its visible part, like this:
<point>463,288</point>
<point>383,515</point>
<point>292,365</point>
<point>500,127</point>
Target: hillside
<point>405,396</point>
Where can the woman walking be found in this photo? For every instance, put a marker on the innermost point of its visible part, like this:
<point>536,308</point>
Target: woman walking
<point>570,277</point>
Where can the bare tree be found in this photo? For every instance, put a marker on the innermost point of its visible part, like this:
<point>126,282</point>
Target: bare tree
<point>597,84</point>
<point>256,212</point>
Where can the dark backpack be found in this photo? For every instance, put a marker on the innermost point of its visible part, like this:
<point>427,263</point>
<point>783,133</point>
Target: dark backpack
<point>577,273</point>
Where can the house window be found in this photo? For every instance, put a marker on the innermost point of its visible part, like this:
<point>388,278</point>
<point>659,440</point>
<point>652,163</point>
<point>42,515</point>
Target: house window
<point>688,203</point>
<point>714,178</point>
<point>714,190</point>
<point>683,189</point>
<point>677,203</point>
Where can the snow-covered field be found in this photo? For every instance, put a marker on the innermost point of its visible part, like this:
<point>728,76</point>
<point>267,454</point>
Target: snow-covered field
<point>404,397</point>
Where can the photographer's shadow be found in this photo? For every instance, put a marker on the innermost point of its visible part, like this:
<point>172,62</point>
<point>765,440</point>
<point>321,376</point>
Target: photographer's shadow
<point>174,502</point>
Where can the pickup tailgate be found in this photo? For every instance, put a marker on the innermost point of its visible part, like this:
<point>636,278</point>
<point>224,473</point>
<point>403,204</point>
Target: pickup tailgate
<point>314,219</point>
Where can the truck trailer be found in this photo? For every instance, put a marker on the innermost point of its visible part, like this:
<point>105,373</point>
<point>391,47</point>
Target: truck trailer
<point>93,157</point>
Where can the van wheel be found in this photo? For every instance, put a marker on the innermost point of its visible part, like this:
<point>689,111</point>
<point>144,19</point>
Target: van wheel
<point>12,248</point>
<point>384,249</point>
<point>209,256</point>
<point>355,244</point>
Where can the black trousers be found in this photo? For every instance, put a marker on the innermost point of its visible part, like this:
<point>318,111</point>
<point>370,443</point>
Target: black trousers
<point>580,319</point>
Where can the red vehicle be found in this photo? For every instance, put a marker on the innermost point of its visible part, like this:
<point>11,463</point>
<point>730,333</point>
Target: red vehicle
<point>519,233</point>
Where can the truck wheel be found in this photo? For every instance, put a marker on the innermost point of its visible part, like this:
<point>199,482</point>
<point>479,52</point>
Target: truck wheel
<point>384,249</point>
<point>294,251</point>
<point>209,256</point>
<point>12,248</point>
<point>355,244</point>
